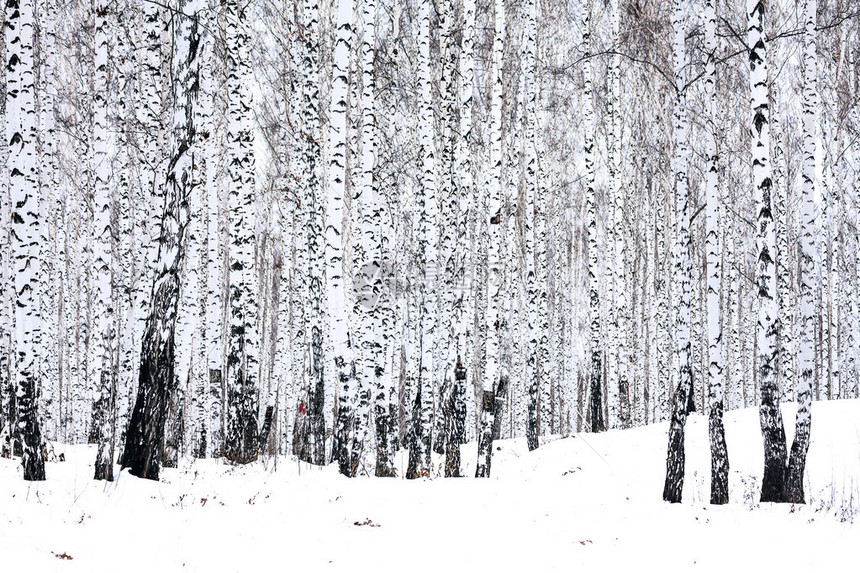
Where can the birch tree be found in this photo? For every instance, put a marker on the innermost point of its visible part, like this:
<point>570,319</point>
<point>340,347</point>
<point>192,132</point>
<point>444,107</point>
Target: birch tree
<point>243,343</point>
<point>675,458</point>
<point>461,205</point>
<point>419,448</point>
<point>211,436</point>
<point>773,433</point>
<point>494,373</point>
<point>369,295</point>
<point>450,295</point>
<point>617,373</point>
<point>145,435</point>
<point>6,335</point>
<point>376,298</point>
<point>22,167</point>
<point>719,455</point>
<point>794,492</point>
<point>149,107</point>
<point>595,404</point>
<point>312,193</point>
<point>334,225</point>
<point>51,267</point>
<point>531,183</point>
<point>105,301</point>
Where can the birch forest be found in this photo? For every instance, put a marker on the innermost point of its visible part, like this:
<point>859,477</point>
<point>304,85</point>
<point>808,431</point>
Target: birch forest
<point>340,231</point>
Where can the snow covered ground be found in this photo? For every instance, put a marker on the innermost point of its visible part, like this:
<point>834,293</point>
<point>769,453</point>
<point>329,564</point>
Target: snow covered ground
<point>590,501</point>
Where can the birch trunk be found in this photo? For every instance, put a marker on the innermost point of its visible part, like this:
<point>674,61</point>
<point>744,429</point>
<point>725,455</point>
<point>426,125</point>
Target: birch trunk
<point>770,417</point>
<point>243,344</point>
<point>22,167</point>
<point>495,373</point>
<point>419,451</point>
<point>675,459</point>
<point>315,450</point>
<point>145,436</point>
<point>719,455</point>
<point>794,492</point>
<point>460,205</point>
<point>595,403</point>
<point>531,184</point>
<point>334,227</point>
<point>105,301</point>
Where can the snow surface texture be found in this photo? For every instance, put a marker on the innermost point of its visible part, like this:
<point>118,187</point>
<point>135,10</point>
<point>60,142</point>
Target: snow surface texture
<point>590,500</point>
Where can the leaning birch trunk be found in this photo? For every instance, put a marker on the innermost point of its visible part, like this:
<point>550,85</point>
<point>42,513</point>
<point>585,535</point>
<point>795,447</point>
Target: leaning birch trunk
<point>145,436</point>
<point>719,455</point>
<point>675,458</point>
<point>770,416</point>
<point>797,462</point>
<point>22,167</point>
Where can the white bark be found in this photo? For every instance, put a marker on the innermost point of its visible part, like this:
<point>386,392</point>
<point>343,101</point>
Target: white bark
<point>104,333</point>
<point>22,168</point>
<point>770,416</point>
<point>496,222</point>
<point>339,336</point>
<point>531,196</point>
<point>243,347</point>
<point>719,457</point>
<point>312,194</point>
<point>51,267</point>
<point>683,265</point>
<point>595,408</point>
<point>419,454</point>
<point>808,313</point>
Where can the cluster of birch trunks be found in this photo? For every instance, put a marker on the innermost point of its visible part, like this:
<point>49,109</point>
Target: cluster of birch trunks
<point>338,229</point>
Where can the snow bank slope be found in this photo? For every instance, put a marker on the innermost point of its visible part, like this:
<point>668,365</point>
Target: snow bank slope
<point>587,501</point>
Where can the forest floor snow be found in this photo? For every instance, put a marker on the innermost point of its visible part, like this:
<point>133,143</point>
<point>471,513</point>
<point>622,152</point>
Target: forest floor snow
<point>590,501</point>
